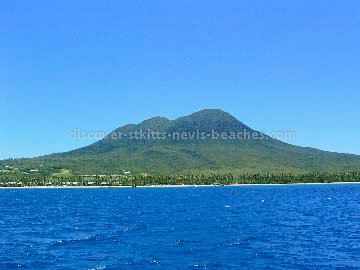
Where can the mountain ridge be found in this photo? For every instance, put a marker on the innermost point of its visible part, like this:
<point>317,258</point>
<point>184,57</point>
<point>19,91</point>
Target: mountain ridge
<point>196,156</point>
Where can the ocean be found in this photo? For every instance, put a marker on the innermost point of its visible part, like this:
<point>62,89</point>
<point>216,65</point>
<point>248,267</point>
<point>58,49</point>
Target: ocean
<point>245,227</point>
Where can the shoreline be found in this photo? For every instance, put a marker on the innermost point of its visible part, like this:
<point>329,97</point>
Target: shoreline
<point>174,186</point>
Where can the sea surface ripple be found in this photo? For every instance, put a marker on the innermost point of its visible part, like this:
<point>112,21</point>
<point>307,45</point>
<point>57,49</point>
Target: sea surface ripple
<point>251,227</point>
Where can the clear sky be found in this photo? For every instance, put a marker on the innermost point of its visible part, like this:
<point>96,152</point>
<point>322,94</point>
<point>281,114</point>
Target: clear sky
<point>97,65</point>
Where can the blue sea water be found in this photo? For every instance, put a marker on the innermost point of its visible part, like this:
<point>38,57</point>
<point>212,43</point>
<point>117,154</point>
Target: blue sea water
<point>252,227</point>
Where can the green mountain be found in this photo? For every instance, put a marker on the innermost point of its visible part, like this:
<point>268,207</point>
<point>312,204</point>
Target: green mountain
<point>208,141</point>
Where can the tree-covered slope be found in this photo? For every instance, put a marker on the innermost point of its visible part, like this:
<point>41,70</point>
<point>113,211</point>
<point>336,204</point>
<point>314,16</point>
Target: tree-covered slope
<point>198,152</point>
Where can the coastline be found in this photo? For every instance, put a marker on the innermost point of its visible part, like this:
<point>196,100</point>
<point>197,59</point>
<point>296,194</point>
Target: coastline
<point>174,186</point>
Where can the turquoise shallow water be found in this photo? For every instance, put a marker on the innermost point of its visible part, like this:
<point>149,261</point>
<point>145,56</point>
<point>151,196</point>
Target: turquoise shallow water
<point>252,227</point>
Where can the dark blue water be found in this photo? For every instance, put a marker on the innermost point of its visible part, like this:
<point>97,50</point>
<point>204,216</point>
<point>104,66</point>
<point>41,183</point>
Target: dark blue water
<point>262,227</point>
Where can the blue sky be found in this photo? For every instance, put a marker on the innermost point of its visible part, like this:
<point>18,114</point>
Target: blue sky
<point>97,65</point>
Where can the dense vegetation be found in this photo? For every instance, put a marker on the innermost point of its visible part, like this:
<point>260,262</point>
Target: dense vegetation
<point>18,180</point>
<point>186,157</point>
